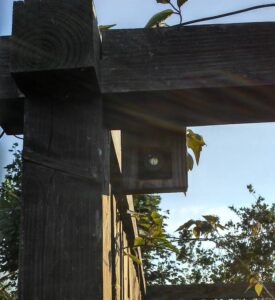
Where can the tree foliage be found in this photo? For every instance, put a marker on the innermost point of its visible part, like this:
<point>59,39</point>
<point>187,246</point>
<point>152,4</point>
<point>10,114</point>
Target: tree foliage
<point>206,251</point>
<point>244,250</point>
<point>10,203</point>
<point>160,265</point>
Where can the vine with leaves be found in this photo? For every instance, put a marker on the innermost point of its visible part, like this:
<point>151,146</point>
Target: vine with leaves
<point>236,251</point>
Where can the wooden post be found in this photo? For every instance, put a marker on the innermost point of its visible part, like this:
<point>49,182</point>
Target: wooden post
<point>65,151</point>
<point>61,243</point>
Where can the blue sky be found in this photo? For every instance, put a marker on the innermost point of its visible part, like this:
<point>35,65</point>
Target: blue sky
<point>236,155</point>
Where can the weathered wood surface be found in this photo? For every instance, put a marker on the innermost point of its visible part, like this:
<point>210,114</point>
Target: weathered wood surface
<point>61,244</point>
<point>128,277</point>
<point>191,107</point>
<point>66,151</point>
<point>56,47</point>
<point>53,35</point>
<point>172,77</point>
<point>11,105</point>
<point>196,75</point>
<point>107,255</point>
<point>191,57</point>
<point>170,149</point>
<point>74,238</point>
<point>206,291</point>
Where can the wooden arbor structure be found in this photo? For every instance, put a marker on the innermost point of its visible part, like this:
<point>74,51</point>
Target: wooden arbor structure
<point>70,86</point>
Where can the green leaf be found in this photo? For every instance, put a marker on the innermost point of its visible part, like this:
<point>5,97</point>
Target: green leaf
<point>199,223</point>
<point>196,232</point>
<point>211,218</point>
<point>133,257</point>
<point>190,162</point>
<point>163,1</point>
<point>256,227</point>
<point>144,225</point>
<point>220,226</point>
<point>195,142</point>
<point>106,27</point>
<point>170,246</point>
<point>186,225</point>
<point>156,218</point>
<point>258,289</point>
<point>181,2</point>
<point>253,280</point>
<point>159,17</point>
<point>156,231</point>
<point>205,227</point>
<point>136,215</point>
<point>139,241</point>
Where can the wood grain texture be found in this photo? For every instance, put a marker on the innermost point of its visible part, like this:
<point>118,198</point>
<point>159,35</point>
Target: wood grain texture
<point>205,291</point>
<point>62,243</point>
<point>169,146</point>
<point>199,107</point>
<point>66,135</point>
<point>191,57</point>
<point>169,77</point>
<point>129,281</point>
<point>53,34</point>
<point>56,47</point>
<point>61,246</point>
<point>118,253</point>
<point>116,141</point>
<point>107,248</point>
<point>196,75</point>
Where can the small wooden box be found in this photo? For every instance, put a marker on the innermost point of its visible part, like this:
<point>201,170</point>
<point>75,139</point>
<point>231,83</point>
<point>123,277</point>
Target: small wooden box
<point>153,161</point>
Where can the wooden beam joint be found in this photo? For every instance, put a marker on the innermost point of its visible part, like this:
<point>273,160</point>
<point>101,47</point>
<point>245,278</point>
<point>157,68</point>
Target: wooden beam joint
<point>56,48</point>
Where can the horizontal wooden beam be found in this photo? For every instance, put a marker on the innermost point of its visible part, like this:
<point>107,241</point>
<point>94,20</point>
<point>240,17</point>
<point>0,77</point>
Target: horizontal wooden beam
<point>184,58</point>
<point>206,291</point>
<point>189,76</point>
<point>196,107</point>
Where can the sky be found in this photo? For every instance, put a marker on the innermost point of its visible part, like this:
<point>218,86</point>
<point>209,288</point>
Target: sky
<point>235,155</point>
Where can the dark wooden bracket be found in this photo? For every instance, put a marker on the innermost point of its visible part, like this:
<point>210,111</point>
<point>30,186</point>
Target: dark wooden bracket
<point>153,160</point>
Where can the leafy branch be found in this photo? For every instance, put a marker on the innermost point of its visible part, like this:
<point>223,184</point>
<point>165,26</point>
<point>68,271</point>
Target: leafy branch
<point>240,11</point>
<point>239,247</point>
<point>158,19</point>
<point>241,252</point>
<point>195,143</point>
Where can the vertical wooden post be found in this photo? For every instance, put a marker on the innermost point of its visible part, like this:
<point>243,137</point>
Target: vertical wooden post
<point>61,242</point>
<point>55,59</point>
<point>108,279</point>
